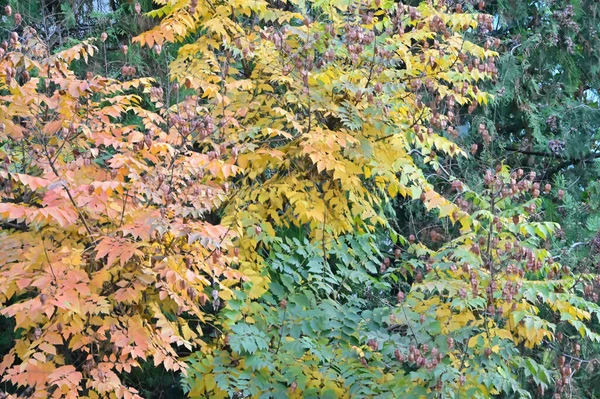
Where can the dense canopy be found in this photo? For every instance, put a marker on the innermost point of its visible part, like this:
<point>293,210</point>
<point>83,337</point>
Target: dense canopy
<point>304,199</point>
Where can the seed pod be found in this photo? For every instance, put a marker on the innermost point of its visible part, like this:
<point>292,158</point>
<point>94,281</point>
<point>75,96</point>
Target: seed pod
<point>400,296</point>
<point>532,175</point>
<point>373,344</point>
<point>103,36</point>
<point>399,355</point>
<point>191,293</point>
<point>138,8</point>
<point>18,19</point>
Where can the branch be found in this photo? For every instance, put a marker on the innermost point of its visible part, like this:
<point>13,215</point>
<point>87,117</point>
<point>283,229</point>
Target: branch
<point>15,226</point>
<point>569,162</point>
<point>537,153</point>
<point>566,161</point>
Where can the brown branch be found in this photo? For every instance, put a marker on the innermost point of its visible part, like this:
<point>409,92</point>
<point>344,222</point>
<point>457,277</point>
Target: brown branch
<point>565,163</point>
<point>71,198</point>
<point>569,162</point>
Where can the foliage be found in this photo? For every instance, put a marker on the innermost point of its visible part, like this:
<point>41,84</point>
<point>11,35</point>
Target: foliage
<point>545,113</point>
<point>325,106</point>
<point>407,323</point>
<point>237,219</point>
<point>105,241</point>
<point>545,117</point>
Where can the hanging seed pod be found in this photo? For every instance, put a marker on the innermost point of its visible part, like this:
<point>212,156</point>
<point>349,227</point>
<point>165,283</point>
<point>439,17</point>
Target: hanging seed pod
<point>400,296</point>
<point>191,293</point>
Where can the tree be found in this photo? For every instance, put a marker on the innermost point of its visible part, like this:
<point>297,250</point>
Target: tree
<point>545,113</point>
<point>219,225</point>
<point>256,352</point>
<point>544,118</point>
<point>104,239</point>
